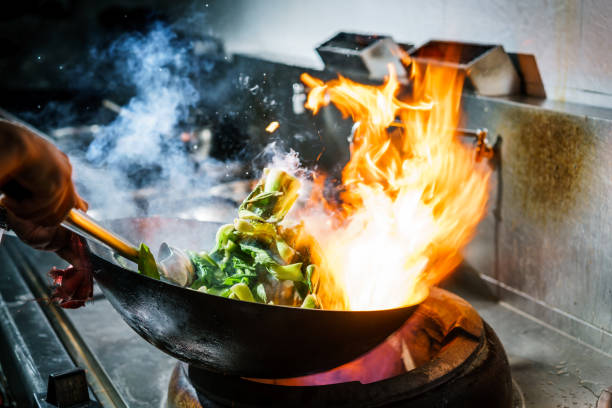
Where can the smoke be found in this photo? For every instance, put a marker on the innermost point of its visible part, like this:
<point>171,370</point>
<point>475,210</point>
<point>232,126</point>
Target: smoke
<point>277,157</point>
<point>161,84</point>
<point>141,148</point>
<point>160,73</point>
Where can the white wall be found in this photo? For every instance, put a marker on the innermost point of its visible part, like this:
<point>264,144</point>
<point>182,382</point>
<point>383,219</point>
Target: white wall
<point>572,40</point>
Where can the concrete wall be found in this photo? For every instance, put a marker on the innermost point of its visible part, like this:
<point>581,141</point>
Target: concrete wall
<point>571,39</point>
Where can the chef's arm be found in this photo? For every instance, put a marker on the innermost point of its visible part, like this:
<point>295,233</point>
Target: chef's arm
<point>35,177</point>
<point>37,188</point>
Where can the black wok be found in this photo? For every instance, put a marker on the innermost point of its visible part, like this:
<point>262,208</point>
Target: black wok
<point>225,335</point>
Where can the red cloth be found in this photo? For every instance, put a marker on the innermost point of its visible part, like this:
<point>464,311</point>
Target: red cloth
<point>73,285</point>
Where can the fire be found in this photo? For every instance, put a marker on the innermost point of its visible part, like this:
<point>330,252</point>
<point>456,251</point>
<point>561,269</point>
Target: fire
<point>411,197</point>
<point>271,128</point>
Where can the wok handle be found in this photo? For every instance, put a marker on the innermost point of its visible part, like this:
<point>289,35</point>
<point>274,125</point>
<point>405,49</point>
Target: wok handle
<point>79,222</point>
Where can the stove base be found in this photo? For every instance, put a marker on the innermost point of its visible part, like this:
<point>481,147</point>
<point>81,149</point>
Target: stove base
<point>465,370</point>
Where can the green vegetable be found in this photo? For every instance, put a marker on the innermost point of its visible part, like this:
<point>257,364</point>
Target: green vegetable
<point>310,302</point>
<point>223,235</point>
<point>289,272</point>
<point>146,262</point>
<point>239,278</point>
<point>272,197</point>
<point>259,255</point>
<point>284,250</point>
<point>206,269</point>
<point>243,292</point>
<point>310,270</point>
<point>254,258</point>
<point>260,291</point>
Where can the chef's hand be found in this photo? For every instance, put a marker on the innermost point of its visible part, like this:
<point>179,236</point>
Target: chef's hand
<point>35,178</point>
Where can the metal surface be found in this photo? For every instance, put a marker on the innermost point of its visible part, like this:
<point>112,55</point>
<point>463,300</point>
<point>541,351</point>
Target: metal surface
<point>225,335</point>
<point>439,337</point>
<point>567,37</point>
<point>138,371</point>
<point>68,388</point>
<point>459,362</point>
<point>552,368</point>
<point>484,147</point>
<point>363,55</point>
<point>483,380</point>
<point>545,244</point>
<point>528,71</point>
<point>30,350</point>
<point>25,377</point>
<point>488,69</point>
<point>97,378</point>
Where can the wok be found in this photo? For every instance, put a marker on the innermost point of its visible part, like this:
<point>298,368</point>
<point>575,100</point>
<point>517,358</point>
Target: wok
<point>225,335</point>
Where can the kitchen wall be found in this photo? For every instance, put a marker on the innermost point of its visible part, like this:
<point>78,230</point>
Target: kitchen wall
<point>571,39</point>
<point>545,245</point>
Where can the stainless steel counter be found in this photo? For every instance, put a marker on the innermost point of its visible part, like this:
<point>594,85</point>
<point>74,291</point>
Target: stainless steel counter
<point>552,369</point>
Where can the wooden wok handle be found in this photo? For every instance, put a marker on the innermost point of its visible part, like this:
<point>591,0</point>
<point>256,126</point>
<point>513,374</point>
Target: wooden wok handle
<point>81,224</point>
<point>84,223</point>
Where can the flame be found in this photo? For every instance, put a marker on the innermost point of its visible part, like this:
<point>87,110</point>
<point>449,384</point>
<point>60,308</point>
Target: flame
<point>271,128</point>
<point>411,197</point>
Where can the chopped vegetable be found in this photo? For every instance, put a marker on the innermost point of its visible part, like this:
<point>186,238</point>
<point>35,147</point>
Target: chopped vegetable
<point>243,292</point>
<point>272,197</point>
<point>175,266</point>
<point>146,262</point>
<point>260,291</point>
<point>289,272</point>
<point>310,302</point>
<point>255,259</point>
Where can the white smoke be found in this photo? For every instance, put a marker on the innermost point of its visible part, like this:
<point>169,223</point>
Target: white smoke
<point>144,137</point>
<point>279,158</point>
<point>141,150</point>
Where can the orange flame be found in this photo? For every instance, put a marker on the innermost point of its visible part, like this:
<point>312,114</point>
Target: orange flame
<point>412,193</point>
<point>271,128</point>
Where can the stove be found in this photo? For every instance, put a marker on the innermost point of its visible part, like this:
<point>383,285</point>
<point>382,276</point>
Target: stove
<point>444,355</point>
<point>485,339</point>
<point>547,367</point>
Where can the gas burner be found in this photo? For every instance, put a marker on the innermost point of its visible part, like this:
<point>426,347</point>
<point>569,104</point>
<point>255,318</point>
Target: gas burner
<point>443,356</point>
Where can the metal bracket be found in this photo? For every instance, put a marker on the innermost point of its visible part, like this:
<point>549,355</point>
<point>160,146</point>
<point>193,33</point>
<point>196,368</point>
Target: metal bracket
<point>67,389</point>
<point>488,68</point>
<point>484,147</point>
<point>364,55</point>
